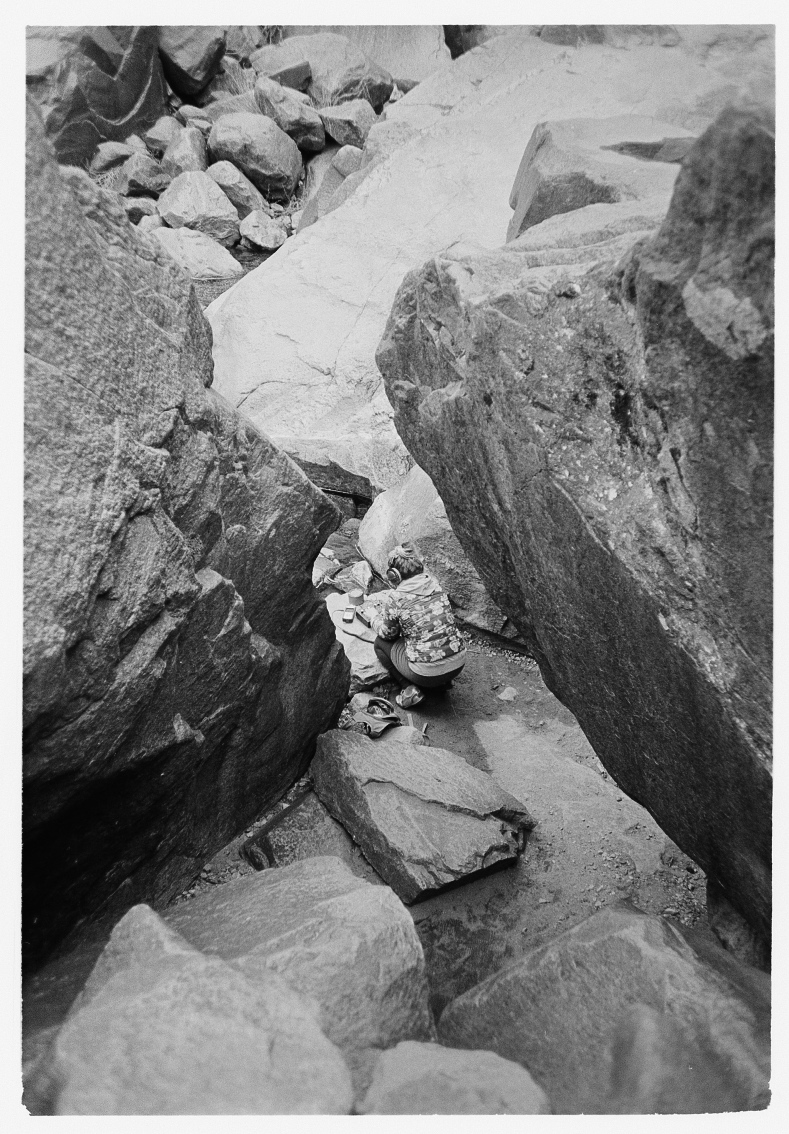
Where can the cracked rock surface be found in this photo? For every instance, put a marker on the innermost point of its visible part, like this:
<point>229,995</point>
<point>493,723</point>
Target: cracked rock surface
<point>602,440</point>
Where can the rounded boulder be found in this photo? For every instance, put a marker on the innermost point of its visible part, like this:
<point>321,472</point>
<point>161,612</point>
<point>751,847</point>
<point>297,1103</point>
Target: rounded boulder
<point>264,153</point>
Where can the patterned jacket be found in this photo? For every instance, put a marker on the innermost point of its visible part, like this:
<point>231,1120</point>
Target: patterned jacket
<point>419,610</point>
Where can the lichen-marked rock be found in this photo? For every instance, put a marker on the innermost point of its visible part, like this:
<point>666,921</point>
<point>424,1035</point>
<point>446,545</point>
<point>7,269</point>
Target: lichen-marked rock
<point>349,123</point>
<point>199,255</point>
<point>161,1029</point>
<point>163,133</point>
<point>194,200</point>
<point>558,1009</point>
<point>426,1078</point>
<point>264,153</point>
<point>259,229</point>
<point>298,119</point>
<point>347,944</point>
<point>190,56</point>
<point>169,614</point>
<point>237,188</point>
<point>141,175</point>
<point>425,820</point>
<point>187,154</point>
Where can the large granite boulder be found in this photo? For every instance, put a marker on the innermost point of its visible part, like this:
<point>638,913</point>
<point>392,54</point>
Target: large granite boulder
<point>339,70</point>
<point>426,1078</point>
<point>583,161</point>
<point>194,200</point>
<point>413,510</point>
<point>177,661</point>
<point>603,445</point>
<point>425,820</point>
<point>159,1028</point>
<point>264,153</point>
<point>561,1011</point>
<point>190,56</point>
<point>91,89</point>
<point>409,52</point>
<point>443,178</point>
<point>349,945</point>
<point>299,120</point>
<point>198,254</point>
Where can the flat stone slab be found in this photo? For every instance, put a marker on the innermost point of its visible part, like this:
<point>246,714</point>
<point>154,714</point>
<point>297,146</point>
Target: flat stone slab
<point>356,640</point>
<point>426,1078</point>
<point>423,817</point>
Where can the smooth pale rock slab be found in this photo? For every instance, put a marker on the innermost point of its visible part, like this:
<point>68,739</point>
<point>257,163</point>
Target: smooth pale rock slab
<point>284,65</point>
<point>426,1078</point>
<point>264,153</point>
<point>190,56</point>
<point>259,229</point>
<point>448,181</point>
<point>298,119</point>
<point>407,51</point>
<point>424,818</point>
<point>201,257</point>
<point>339,70</point>
<point>237,188</point>
<point>163,133</point>
<point>557,1010</point>
<point>413,510</point>
<point>349,945</point>
<point>349,123</point>
<point>579,162</point>
<point>186,154</point>
<point>194,200</point>
<point>161,1029</point>
<point>141,175</point>
<point>366,670</point>
<point>109,155</point>
<point>605,454</point>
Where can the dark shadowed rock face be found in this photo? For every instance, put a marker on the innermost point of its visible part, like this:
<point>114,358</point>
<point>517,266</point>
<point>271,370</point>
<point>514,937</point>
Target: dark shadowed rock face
<point>602,441</point>
<point>178,663</point>
<point>91,89</point>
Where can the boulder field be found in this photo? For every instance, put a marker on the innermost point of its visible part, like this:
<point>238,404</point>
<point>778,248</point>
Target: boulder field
<point>597,417</point>
<point>445,160</point>
<point>178,663</point>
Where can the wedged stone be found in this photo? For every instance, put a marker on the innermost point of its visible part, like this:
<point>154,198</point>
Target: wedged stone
<point>357,643</point>
<point>409,52</point>
<point>187,114</point>
<point>324,182</point>
<point>186,154</point>
<point>237,188</point>
<point>426,1078</point>
<point>141,175</point>
<point>558,1011</point>
<point>623,420</point>
<point>161,1029</point>
<point>424,195</point>
<point>340,71</point>
<point>259,229</point>
<point>349,124</point>
<point>136,144</point>
<point>347,944</point>
<point>90,89</point>
<point>243,40</point>
<point>148,222</point>
<point>156,721</point>
<point>230,79</point>
<point>231,104</point>
<point>299,121</point>
<point>413,510</point>
<point>425,820</point>
<point>284,65</point>
<point>190,56</point>
<point>200,256</point>
<point>264,153</point>
<point>164,131</point>
<point>109,155</point>
<point>194,200</point>
<point>138,207</point>
<point>582,161</point>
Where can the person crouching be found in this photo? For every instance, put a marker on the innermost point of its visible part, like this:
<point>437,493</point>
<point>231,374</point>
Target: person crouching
<point>417,640</point>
